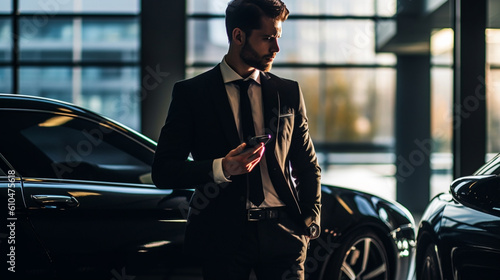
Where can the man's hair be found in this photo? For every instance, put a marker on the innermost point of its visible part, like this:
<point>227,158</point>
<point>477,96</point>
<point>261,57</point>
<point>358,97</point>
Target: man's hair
<point>247,14</point>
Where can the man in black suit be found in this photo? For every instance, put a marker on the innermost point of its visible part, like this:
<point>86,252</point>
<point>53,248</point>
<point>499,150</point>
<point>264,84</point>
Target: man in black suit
<point>255,206</point>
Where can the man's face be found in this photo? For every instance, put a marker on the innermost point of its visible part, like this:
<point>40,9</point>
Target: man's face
<point>261,46</point>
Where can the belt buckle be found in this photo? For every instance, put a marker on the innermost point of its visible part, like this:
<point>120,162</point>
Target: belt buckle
<point>249,215</point>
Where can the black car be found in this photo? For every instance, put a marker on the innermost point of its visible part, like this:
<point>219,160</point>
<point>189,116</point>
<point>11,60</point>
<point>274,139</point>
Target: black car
<point>459,235</point>
<point>78,203</point>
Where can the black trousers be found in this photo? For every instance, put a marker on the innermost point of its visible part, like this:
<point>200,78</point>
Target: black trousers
<point>273,248</point>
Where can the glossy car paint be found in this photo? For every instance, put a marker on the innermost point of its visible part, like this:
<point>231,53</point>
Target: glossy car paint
<point>465,238</point>
<point>99,228</point>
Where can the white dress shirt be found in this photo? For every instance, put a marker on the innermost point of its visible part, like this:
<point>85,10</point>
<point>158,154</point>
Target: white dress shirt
<point>271,198</point>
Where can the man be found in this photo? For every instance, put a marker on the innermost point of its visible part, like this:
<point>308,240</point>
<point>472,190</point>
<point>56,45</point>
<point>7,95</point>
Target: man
<point>247,212</point>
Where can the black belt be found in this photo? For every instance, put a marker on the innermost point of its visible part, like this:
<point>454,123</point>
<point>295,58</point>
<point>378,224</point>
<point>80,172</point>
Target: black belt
<point>259,214</point>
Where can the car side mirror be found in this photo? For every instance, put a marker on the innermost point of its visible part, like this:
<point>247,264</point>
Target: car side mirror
<point>478,192</point>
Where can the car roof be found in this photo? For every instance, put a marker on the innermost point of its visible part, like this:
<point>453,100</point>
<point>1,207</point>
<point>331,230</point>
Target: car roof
<point>18,101</point>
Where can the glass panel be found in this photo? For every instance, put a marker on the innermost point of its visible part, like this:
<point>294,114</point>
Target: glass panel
<point>48,40</point>
<point>386,8</point>
<point>5,80</point>
<point>352,42</point>
<point>441,109</point>
<point>349,41</point>
<point>5,40</point>
<point>493,47</point>
<point>51,82</point>
<point>112,92</point>
<point>207,6</point>
<point>347,7</point>
<point>359,105</point>
<point>5,6</point>
<point>110,40</point>
<point>207,40</point>
<point>442,47</point>
<point>97,40</point>
<point>301,42</point>
<point>442,114</point>
<point>347,105</point>
<point>80,6</point>
<point>296,7</point>
<point>441,128</point>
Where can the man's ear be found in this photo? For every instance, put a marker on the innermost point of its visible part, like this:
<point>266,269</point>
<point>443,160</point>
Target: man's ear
<point>239,36</point>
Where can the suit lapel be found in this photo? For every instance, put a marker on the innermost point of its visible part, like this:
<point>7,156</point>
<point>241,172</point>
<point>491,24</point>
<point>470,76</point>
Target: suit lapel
<point>222,107</point>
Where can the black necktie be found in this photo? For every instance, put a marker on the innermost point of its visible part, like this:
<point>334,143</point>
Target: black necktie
<point>254,179</point>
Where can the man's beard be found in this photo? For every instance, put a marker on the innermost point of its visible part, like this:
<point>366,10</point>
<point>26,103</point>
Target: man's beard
<point>252,58</point>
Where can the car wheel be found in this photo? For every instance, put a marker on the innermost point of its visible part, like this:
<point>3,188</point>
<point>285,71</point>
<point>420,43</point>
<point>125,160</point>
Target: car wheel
<point>429,269</point>
<point>362,255</point>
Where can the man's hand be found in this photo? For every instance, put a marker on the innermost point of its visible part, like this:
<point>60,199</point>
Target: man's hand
<point>238,161</point>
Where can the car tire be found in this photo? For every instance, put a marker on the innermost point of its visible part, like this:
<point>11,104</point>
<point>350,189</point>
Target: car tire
<point>429,266</point>
<point>362,255</point>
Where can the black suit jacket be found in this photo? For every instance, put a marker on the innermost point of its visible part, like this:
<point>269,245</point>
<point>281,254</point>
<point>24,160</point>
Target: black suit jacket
<point>200,122</point>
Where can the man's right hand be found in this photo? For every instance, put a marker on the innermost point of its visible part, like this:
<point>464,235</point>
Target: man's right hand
<point>238,161</point>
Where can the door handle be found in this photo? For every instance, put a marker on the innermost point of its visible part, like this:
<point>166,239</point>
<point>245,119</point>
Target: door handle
<point>56,201</point>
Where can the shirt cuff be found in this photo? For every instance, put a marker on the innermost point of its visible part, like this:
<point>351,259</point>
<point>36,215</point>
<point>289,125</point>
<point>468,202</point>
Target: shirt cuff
<point>219,177</point>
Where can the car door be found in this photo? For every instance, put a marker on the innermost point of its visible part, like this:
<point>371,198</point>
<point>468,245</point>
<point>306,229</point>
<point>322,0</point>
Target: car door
<point>20,249</point>
<point>90,198</point>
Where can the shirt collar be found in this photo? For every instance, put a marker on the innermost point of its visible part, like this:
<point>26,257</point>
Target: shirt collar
<point>229,75</point>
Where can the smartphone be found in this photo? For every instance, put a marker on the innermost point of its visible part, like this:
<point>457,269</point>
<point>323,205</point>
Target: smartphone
<point>256,140</point>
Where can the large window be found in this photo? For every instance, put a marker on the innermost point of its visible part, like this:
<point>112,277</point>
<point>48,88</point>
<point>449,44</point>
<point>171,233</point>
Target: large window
<point>328,46</point>
<point>81,51</point>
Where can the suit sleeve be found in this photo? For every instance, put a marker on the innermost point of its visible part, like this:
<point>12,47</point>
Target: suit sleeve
<point>171,166</point>
<point>305,167</point>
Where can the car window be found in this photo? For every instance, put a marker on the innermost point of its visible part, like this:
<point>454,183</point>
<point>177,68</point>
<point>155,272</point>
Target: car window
<point>65,147</point>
